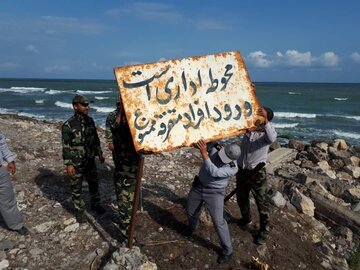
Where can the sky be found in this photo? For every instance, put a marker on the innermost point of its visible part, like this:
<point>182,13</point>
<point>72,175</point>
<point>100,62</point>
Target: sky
<point>279,40</point>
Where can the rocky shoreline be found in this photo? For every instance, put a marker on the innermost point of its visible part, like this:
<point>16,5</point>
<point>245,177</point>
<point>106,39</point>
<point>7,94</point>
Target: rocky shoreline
<point>315,195</point>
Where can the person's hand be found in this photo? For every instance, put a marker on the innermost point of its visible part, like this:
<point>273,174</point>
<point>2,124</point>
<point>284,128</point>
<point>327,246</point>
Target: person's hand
<point>145,152</point>
<point>70,170</point>
<point>262,113</point>
<point>201,145</point>
<point>11,167</point>
<point>111,146</point>
<point>101,158</point>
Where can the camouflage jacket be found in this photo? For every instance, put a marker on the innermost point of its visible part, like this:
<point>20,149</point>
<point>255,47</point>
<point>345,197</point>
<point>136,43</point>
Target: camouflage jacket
<point>80,140</point>
<point>119,134</point>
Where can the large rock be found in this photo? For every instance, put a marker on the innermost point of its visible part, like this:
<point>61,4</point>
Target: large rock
<point>297,145</point>
<point>278,200</point>
<point>340,144</point>
<point>339,154</point>
<point>316,154</point>
<point>279,156</point>
<point>324,165</point>
<point>303,203</point>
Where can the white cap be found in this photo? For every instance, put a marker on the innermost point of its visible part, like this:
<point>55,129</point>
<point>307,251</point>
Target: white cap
<point>229,153</point>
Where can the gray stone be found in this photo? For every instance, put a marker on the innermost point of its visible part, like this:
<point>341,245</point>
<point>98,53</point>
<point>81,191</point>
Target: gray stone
<point>278,199</point>
<point>6,244</point>
<point>297,145</point>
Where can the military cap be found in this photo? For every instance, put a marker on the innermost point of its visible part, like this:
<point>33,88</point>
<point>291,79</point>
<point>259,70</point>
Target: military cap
<point>80,99</point>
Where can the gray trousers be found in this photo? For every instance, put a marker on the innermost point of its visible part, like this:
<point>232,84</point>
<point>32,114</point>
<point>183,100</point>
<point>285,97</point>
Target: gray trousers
<point>8,206</point>
<point>214,200</point>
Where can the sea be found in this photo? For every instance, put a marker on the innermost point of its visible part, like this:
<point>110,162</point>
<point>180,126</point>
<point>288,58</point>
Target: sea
<point>303,111</point>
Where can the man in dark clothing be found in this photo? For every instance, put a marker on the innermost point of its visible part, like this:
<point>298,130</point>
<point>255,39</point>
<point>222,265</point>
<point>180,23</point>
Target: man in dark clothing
<point>254,150</point>
<point>126,161</point>
<point>80,146</point>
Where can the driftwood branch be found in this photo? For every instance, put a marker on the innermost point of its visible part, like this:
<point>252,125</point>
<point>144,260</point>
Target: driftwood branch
<point>336,212</point>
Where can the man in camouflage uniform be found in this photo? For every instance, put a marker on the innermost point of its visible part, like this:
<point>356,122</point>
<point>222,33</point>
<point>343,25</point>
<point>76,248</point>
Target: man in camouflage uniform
<point>80,146</point>
<point>126,160</point>
<point>254,150</point>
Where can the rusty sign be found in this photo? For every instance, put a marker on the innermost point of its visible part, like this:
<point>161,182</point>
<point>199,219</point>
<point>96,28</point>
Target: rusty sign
<point>175,103</point>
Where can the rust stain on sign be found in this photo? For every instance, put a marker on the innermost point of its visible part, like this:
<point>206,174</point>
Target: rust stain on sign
<point>175,103</point>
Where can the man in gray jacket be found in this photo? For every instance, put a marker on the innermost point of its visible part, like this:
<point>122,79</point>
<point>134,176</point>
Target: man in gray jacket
<point>8,205</point>
<point>209,188</point>
<point>254,151</point>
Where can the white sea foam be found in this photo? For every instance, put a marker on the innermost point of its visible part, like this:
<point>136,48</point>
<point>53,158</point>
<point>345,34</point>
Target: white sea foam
<point>353,117</point>
<point>39,101</point>
<point>351,135</point>
<point>53,92</point>
<point>101,98</point>
<point>22,90</point>
<point>341,99</point>
<point>56,92</point>
<point>294,115</point>
<point>294,93</point>
<point>5,111</point>
<point>285,125</point>
<point>63,105</point>
<point>102,109</point>
<point>36,116</point>
<point>92,92</point>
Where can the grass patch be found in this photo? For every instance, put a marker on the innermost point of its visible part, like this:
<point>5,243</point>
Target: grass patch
<point>354,263</point>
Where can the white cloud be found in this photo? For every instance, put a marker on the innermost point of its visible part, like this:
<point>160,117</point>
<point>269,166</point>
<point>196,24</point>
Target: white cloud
<point>258,59</point>
<point>162,59</point>
<point>52,24</point>
<point>355,56</point>
<point>147,11</point>
<point>165,13</point>
<point>8,66</point>
<point>31,48</point>
<point>209,24</point>
<point>295,58</point>
<point>329,59</point>
<point>56,68</point>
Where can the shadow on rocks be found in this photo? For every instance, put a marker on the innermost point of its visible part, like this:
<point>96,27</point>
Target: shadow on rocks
<point>56,188</point>
<point>163,192</point>
<point>171,220</point>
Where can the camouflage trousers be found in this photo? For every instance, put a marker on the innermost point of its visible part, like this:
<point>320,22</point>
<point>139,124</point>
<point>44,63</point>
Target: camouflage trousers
<point>126,166</point>
<point>247,181</point>
<point>88,172</point>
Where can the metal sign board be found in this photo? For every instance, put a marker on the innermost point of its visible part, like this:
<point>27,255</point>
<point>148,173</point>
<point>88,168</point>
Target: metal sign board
<point>175,103</point>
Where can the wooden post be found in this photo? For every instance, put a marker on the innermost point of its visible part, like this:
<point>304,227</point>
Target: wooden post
<point>135,200</point>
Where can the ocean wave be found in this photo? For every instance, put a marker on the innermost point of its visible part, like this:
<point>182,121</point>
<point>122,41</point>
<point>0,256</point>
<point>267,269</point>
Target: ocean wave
<point>36,116</point>
<point>101,98</point>
<point>294,115</point>
<point>285,125</point>
<point>294,93</point>
<point>103,109</point>
<point>56,92</point>
<point>39,101</point>
<point>23,90</point>
<point>53,92</point>
<point>5,111</point>
<point>92,92</point>
<point>341,99</point>
<point>353,117</point>
<point>63,105</point>
<point>351,135</point>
